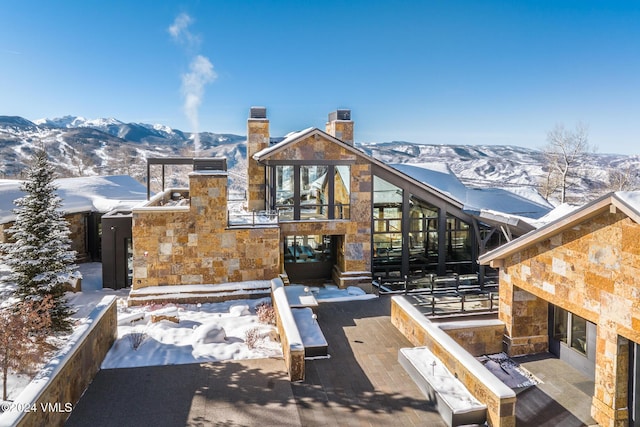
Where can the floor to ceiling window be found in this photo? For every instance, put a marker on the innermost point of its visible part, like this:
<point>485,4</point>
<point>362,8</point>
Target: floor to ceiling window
<point>423,237</point>
<point>387,228</point>
<point>573,339</point>
<point>310,192</point>
<point>458,246</point>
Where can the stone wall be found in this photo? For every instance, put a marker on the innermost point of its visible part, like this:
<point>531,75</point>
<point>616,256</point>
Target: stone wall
<point>78,234</point>
<point>290,339</point>
<point>593,271</point>
<point>60,384</point>
<point>482,384</point>
<point>193,244</point>
<point>478,337</point>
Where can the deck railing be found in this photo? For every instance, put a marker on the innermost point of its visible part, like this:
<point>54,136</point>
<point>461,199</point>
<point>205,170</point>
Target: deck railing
<point>253,219</point>
<point>445,295</point>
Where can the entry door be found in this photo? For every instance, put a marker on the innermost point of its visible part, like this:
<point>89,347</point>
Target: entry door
<point>309,257</point>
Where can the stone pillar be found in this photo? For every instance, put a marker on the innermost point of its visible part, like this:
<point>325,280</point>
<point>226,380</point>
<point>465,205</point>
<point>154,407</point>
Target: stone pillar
<point>610,398</point>
<point>257,139</point>
<point>340,126</point>
<point>208,193</point>
<point>526,318</point>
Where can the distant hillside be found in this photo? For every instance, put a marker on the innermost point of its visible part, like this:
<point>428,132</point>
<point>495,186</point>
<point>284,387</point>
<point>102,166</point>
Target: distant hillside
<point>79,146</point>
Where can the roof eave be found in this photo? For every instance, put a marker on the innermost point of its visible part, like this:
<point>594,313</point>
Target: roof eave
<point>590,210</point>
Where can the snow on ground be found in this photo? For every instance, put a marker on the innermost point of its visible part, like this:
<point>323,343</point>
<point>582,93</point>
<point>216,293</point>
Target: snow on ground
<point>205,332</point>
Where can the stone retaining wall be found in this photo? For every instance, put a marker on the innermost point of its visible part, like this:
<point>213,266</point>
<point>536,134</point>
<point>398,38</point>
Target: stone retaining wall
<point>478,337</point>
<point>60,384</point>
<point>482,384</point>
<point>292,347</point>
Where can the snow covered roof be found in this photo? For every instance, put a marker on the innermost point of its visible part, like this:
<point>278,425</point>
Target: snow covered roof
<point>511,204</point>
<point>627,202</point>
<point>83,194</point>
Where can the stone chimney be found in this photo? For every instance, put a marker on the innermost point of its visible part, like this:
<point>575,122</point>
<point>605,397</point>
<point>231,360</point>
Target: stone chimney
<point>257,139</point>
<point>340,125</point>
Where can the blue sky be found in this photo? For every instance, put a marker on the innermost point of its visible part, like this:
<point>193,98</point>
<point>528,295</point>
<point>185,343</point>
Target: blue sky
<point>450,72</point>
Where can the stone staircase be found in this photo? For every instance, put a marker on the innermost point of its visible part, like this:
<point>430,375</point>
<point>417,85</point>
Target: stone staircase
<point>193,294</point>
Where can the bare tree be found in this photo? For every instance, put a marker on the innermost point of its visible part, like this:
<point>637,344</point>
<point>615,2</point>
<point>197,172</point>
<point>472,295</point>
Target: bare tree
<point>623,179</point>
<point>23,336</point>
<point>563,154</point>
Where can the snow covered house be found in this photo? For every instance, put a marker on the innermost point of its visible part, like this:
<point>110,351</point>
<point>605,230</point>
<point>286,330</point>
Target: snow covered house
<point>572,288</point>
<point>321,209</point>
<point>84,201</point>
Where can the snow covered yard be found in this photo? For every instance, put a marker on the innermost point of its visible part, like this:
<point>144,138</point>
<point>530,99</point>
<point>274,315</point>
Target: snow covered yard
<point>204,332</point>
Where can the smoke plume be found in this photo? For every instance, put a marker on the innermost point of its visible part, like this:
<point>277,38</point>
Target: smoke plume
<point>193,83</point>
<point>200,73</point>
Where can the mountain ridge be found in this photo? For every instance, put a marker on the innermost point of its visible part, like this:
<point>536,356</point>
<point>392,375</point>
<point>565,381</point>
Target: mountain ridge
<point>79,146</point>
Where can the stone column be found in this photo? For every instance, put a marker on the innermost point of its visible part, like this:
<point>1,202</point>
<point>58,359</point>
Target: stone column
<point>257,139</point>
<point>526,319</point>
<point>610,398</point>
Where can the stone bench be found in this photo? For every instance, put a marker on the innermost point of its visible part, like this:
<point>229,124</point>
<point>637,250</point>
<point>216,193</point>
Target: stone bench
<point>313,340</point>
<point>451,398</point>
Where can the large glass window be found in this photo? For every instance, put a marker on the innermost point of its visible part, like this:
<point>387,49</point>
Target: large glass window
<point>579,333</point>
<point>309,248</point>
<point>342,191</point>
<point>387,228</point>
<point>284,191</point>
<point>570,329</point>
<point>458,245</point>
<point>314,192</point>
<point>307,192</point>
<point>560,322</point>
<point>423,237</point>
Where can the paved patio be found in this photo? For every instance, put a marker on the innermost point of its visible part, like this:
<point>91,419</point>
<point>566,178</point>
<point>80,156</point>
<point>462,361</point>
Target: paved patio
<point>562,399</point>
<point>362,384</point>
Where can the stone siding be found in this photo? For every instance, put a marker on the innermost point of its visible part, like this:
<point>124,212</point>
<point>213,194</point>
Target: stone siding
<point>354,249</point>
<point>257,139</point>
<point>193,244</point>
<point>78,234</point>
<point>478,338</point>
<point>593,271</point>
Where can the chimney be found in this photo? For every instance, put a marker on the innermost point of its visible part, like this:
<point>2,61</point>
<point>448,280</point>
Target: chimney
<point>257,139</point>
<point>340,125</point>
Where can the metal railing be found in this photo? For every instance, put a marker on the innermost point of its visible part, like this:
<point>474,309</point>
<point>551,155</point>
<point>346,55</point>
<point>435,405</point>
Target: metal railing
<point>253,219</point>
<point>444,295</point>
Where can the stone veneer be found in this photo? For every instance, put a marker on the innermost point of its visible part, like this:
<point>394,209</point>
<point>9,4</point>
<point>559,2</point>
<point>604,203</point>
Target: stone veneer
<point>478,337</point>
<point>257,139</point>
<point>354,247</point>
<point>593,271</point>
<point>65,378</point>
<point>77,234</point>
<point>191,245</point>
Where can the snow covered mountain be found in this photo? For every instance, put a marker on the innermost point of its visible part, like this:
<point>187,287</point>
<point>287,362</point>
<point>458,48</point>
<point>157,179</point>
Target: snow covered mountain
<point>79,146</point>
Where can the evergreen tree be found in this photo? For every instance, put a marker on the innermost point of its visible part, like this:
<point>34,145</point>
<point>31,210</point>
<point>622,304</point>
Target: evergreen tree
<point>39,252</point>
